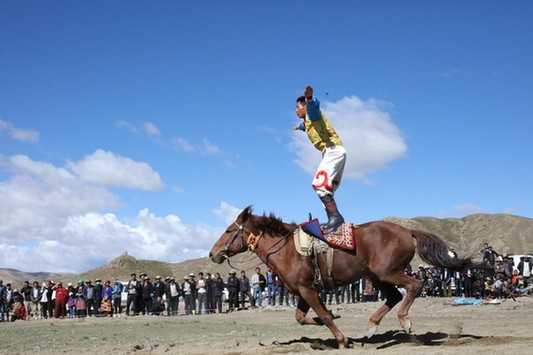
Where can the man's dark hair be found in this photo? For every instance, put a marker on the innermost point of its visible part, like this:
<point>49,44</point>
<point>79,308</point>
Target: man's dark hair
<point>301,99</point>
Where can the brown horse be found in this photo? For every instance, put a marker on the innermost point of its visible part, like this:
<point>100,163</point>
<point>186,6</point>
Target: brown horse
<point>383,250</point>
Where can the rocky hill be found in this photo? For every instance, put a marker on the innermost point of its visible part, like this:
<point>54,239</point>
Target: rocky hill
<point>508,234</point>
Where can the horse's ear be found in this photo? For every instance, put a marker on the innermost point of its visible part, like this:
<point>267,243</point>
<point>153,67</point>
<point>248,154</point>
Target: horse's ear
<point>245,214</point>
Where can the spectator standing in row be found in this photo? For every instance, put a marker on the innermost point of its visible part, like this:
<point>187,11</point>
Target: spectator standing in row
<point>139,305</point>
<point>459,284</point>
<point>89,298</point>
<point>446,281</point>
<point>97,296</point>
<point>46,300</point>
<point>188,294</point>
<point>167,280</point>
<point>233,291</point>
<point>244,289</point>
<point>131,288</point>
<point>61,301</point>
<point>172,292</point>
<point>525,268</point>
<point>258,285</point>
<point>35,300</point>
<point>159,287</point>
<point>26,292</point>
<point>469,280</point>
<point>200,293</point>
<point>271,288</point>
<point>106,307</point>
<point>148,289</point>
<point>281,291</point>
<point>71,304</point>
<point>3,303</point>
<point>81,300</point>
<point>209,290</point>
<point>118,287</point>
<point>218,289</point>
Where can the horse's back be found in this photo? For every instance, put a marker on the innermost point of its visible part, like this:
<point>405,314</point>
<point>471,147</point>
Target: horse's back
<point>385,241</point>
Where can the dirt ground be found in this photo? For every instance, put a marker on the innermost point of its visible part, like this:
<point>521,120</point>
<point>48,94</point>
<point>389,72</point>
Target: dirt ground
<point>438,328</point>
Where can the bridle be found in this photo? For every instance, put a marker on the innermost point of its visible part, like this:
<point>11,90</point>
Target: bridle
<point>239,231</point>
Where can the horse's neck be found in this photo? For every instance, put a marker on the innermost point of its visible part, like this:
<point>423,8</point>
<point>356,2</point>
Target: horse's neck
<point>276,252</point>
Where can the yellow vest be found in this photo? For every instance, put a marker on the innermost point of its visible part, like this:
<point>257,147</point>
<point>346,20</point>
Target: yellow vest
<point>321,133</point>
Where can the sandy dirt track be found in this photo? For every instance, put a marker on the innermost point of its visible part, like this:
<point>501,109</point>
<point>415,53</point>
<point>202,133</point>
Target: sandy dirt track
<point>438,328</point>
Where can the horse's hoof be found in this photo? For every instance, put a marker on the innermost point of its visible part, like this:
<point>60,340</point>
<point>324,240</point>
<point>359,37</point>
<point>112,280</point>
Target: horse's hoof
<point>407,326</point>
<point>344,344</point>
<point>371,332</point>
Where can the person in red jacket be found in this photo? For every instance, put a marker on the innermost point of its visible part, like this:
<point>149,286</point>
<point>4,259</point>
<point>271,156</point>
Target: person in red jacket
<point>61,301</point>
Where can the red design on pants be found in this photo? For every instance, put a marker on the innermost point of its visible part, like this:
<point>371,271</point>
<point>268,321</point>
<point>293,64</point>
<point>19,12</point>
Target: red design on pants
<point>321,182</point>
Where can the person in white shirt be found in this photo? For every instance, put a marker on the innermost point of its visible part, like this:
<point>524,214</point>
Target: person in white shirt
<point>200,293</point>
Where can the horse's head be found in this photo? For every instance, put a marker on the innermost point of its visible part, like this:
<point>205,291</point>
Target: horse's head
<point>233,240</point>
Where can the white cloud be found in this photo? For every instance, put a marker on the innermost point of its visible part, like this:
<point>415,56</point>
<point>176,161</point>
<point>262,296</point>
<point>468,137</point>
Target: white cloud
<point>151,129</point>
<point>269,130</point>
<point>54,219</point>
<point>205,147</point>
<point>467,208</point>
<point>39,196</point>
<point>183,145</point>
<point>23,135</point>
<point>370,137</point>
<point>108,169</point>
<point>89,240</point>
<point>209,148</point>
<point>126,125</point>
<point>227,213</point>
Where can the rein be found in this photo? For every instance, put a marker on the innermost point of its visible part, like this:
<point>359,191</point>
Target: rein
<point>284,238</point>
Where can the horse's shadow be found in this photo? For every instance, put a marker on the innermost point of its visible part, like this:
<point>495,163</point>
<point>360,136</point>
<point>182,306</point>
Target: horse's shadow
<point>383,341</point>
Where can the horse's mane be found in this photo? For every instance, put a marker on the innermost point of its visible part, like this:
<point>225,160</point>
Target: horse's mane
<point>272,225</point>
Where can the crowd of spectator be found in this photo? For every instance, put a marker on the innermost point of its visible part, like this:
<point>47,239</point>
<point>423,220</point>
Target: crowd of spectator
<point>198,294</point>
<point>204,294</point>
<point>500,279</point>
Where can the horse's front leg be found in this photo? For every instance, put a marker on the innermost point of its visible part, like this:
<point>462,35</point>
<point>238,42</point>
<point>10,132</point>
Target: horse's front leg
<point>311,298</point>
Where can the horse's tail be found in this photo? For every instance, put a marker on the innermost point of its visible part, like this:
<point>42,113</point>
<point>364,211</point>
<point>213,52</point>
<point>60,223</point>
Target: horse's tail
<point>434,251</point>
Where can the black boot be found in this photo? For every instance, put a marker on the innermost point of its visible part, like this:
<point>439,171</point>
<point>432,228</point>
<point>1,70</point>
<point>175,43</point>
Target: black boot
<point>335,219</point>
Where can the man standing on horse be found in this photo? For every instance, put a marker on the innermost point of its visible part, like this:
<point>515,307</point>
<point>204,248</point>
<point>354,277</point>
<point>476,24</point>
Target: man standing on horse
<point>322,135</point>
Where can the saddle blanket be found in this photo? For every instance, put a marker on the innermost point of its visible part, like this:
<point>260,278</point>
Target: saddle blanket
<point>342,238</point>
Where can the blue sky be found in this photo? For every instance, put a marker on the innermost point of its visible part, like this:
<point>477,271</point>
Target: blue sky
<point>147,126</point>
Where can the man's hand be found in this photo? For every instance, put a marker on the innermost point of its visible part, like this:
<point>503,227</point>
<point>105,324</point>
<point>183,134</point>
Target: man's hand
<point>308,92</point>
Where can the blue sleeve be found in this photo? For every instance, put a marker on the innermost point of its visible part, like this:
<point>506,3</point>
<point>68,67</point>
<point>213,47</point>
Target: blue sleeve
<point>313,109</point>
<point>301,127</point>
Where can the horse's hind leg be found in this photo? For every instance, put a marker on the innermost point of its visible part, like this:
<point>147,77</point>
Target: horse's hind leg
<point>392,295</point>
<point>310,298</point>
<point>413,287</point>
<point>301,313</point>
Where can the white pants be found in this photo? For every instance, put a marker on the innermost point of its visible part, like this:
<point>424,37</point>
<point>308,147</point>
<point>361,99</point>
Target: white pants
<point>329,173</point>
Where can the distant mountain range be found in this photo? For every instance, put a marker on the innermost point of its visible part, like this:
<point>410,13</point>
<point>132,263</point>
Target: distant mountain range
<point>508,234</point>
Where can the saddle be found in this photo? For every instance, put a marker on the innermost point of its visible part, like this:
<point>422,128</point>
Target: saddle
<point>341,238</point>
<point>310,241</point>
